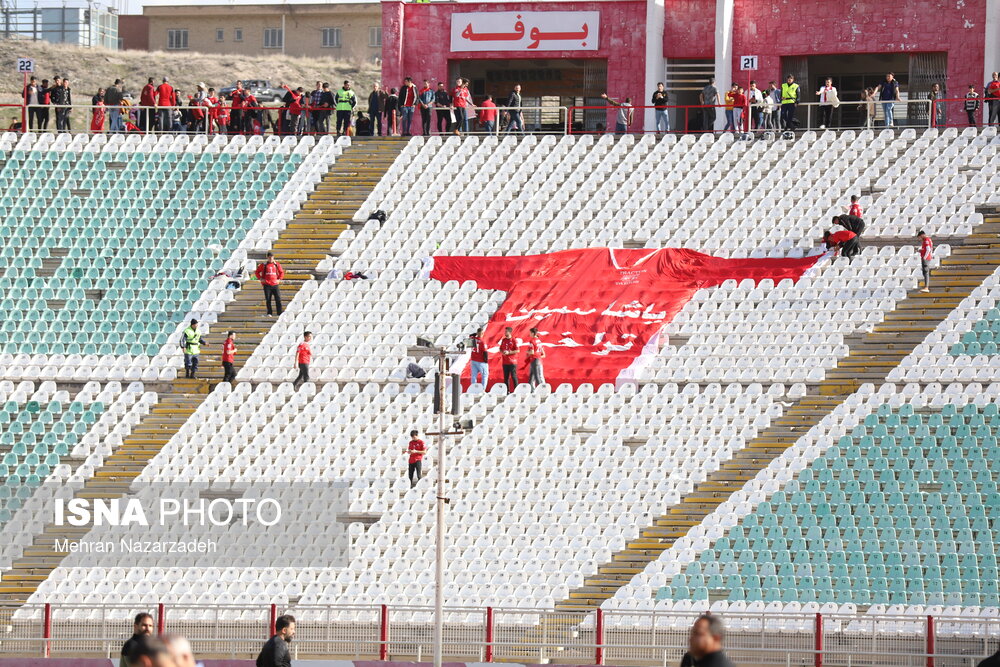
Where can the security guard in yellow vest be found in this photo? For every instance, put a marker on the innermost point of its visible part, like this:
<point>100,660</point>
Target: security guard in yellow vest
<point>346,100</point>
<point>789,98</point>
<point>191,343</point>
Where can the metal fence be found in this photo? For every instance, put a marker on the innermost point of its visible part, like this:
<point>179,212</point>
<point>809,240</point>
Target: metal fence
<point>505,634</point>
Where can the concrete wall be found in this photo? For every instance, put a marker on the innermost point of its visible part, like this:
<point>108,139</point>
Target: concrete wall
<point>772,29</point>
<point>417,40</point>
<point>303,28</point>
<point>689,30</point>
<point>133,29</point>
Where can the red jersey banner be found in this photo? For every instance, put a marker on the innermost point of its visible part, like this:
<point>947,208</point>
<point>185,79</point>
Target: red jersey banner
<point>597,309</point>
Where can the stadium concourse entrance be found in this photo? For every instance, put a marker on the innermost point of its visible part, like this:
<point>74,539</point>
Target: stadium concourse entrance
<point>549,83</point>
<point>852,73</point>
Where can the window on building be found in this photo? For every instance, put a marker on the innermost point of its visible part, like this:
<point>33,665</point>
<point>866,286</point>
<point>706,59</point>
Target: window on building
<point>177,39</point>
<point>375,37</point>
<point>237,34</point>
<point>331,38</point>
<point>273,39</point>
<point>220,34</point>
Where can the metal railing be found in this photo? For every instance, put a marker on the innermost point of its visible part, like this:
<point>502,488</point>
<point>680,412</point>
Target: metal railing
<point>506,634</point>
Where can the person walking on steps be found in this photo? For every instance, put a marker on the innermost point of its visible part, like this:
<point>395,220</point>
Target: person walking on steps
<point>229,358</point>
<point>789,99</point>
<point>303,357</point>
<point>926,256</point>
<point>191,343</point>
<point>536,375</point>
<point>270,274</point>
<point>480,358</point>
<point>416,449</point>
<point>855,207</point>
<point>508,357</point>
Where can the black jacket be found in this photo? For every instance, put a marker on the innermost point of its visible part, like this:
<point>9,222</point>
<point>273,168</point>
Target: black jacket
<point>442,98</point>
<point>376,102</point>
<point>275,653</point>
<point>113,97</point>
<point>60,95</point>
<point>853,223</point>
<point>717,659</point>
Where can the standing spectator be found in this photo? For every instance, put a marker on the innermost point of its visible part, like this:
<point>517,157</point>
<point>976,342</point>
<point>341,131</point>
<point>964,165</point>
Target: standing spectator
<point>407,104</point>
<point>275,652</point>
<point>480,359</point>
<point>416,449</point>
<point>827,101</point>
<point>488,115</point>
<point>425,100</point>
<point>739,105</point>
<point>991,93</point>
<point>222,111</point>
<point>442,103</point>
<point>62,98</point>
<point>756,101</point>
<point>971,104</point>
<point>45,99</point>
<point>508,358</point>
<point>270,274</point>
<point>937,97</point>
<point>789,99</point>
<point>774,92</point>
<point>296,110</point>
<point>180,650</point>
<point>346,100</point>
<point>536,374</point>
<point>97,112</point>
<point>461,100</point>
<point>514,111</point>
<point>867,107</point>
<point>625,113</point>
<point>376,106</point>
<point>659,102</point>
<point>768,111</point>
<point>33,100</point>
<point>705,644</point>
<point>709,98</point>
<point>730,103</point>
<point>926,256</point>
<point>229,358</point>
<point>888,95</point>
<point>855,207</point>
<point>113,101</point>
<point>237,100</point>
<point>191,342</point>
<point>165,99</point>
<point>326,104</point>
<point>142,626</point>
<point>303,357</point>
<point>392,113</point>
<point>147,103</point>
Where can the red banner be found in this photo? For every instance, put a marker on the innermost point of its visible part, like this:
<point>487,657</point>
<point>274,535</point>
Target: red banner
<point>598,309</point>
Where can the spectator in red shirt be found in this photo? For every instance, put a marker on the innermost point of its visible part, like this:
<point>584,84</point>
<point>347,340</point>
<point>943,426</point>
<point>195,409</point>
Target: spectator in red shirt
<point>536,353</point>
<point>229,357</point>
<point>991,93</point>
<point>270,274</point>
<point>739,106</point>
<point>488,115</point>
<point>303,357</point>
<point>855,208</point>
<point>296,109</point>
<point>164,100</point>
<point>461,100</point>
<point>237,97</point>
<point>926,255</point>
<point>840,242</point>
<point>508,358</point>
<point>416,449</point>
<point>480,358</point>
<point>147,100</point>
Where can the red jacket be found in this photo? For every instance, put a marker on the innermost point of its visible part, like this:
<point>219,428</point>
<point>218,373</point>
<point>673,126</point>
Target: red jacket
<point>165,95</point>
<point>238,97</point>
<point>993,91</point>
<point>295,108</point>
<point>269,273</point>
<point>229,350</point>
<point>489,113</point>
<point>147,97</point>
<point>840,237</point>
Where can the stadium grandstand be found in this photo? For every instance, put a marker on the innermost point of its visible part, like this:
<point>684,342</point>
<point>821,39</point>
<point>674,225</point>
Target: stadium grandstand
<point>736,420</point>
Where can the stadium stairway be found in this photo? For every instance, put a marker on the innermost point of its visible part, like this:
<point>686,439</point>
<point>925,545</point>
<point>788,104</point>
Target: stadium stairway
<point>300,247</point>
<point>872,356</point>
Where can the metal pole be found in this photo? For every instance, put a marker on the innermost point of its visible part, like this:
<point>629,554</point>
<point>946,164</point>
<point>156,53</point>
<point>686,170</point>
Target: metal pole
<point>47,630</point>
<point>931,649</point>
<point>439,547</point>
<point>161,619</point>
<point>818,629</point>
<point>383,639</point>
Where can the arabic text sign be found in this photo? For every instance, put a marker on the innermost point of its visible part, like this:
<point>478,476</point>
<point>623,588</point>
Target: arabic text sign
<point>525,31</point>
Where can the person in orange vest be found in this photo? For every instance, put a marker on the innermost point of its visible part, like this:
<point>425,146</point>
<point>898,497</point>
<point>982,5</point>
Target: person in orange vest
<point>270,275</point>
